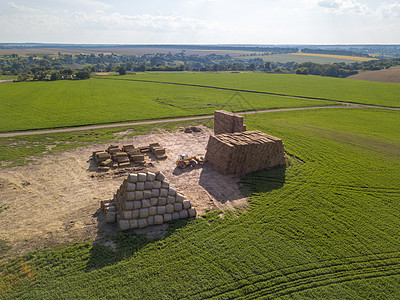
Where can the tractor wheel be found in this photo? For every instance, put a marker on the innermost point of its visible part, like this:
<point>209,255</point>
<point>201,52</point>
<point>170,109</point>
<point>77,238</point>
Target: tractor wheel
<point>193,163</point>
<point>182,165</point>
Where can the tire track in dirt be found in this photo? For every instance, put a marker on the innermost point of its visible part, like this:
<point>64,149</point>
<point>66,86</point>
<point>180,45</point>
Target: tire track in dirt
<point>308,276</point>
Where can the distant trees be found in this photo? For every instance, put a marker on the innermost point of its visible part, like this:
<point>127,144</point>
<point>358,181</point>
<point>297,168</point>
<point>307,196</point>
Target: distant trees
<point>83,75</point>
<point>122,70</point>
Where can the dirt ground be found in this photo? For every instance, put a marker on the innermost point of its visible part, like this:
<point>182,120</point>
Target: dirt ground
<point>386,75</point>
<point>56,200</point>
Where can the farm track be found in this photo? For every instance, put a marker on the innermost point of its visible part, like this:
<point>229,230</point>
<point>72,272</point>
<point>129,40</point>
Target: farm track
<point>299,278</point>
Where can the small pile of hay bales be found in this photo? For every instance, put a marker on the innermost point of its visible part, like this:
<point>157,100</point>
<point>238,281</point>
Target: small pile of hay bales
<point>146,199</point>
<point>158,151</point>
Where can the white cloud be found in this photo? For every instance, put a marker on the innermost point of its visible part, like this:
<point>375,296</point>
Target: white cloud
<point>340,6</point>
<point>21,8</point>
<point>389,10</point>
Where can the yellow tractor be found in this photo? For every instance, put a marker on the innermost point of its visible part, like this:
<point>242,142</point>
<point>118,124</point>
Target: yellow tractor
<point>185,161</point>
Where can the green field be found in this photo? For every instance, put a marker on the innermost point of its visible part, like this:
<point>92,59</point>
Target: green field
<point>38,105</point>
<point>373,93</point>
<point>325,227</point>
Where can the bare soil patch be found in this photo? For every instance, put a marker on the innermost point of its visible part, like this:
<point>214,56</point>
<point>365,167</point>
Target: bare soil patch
<point>56,200</point>
<point>386,75</point>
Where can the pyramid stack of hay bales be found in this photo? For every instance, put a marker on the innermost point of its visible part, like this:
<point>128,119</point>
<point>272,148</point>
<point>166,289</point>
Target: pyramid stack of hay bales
<point>227,122</point>
<point>244,152</point>
<point>146,199</point>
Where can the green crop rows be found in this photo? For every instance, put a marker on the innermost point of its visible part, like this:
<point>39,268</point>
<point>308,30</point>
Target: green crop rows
<point>325,227</point>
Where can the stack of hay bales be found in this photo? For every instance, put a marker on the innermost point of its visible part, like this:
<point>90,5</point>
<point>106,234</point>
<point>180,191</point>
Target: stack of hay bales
<point>244,152</point>
<point>110,211</point>
<point>112,149</point>
<point>158,151</point>
<point>146,199</point>
<point>103,159</point>
<point>227,122</point>
<point>122,159</point>
<point>128,148</point>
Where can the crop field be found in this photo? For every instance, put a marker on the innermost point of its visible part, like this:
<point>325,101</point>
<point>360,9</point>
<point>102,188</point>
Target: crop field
<point>385,75</point>
<point>38,105</point>
<point>293,57</point>
<point>327,226</point>
<point>344,57</point>
<point>337,89</point>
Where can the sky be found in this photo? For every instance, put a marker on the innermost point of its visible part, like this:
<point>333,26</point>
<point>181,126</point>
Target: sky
<point>200,21</point>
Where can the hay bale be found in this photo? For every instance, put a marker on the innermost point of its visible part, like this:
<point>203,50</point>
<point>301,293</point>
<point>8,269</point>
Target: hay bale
<point>126,214</point>
<point>165,185</point>
<point>147,194</point>
<point>155,192</point>
<point>170,199</point>
<point>192,212</point>
<point>111,216</point>
<point>186,204</point>
<point>175,216</point>
<point>106,163</point>
<point>133,178</point>
<point>158,219</point>
<point>152,210</point>
<point>171,191</point>
<point>167,217</point>
<point>140,186</point>
<point>137,204</point>
<point>137,157</point>
<point>146,203</point>
<point>130,196</point>
<point>128,205</point>
<point>143,213</point>
<point>160,156</point>
<point>178,206</point>
<point>142,223</point>
<point>151,176</point>
<point>133,224</point>
<point>179,198</point>
<point>148,185</point>
<point>123,224</point>
<point>138,195</point>
<point>163,192</point>
<point>142,177</point>
<point>153,201</point>
<point>156,184</point>
<point>160,176</point>
<point>169,208</point>
<point>144,149</point>
<point>126,164</point>
<point>130,187</point>
<point>183,214</point>
<point>150,220</point>
<point>103,169</point>
<point>162,200</point>
<point>160,210</point>
<point>135,214</point>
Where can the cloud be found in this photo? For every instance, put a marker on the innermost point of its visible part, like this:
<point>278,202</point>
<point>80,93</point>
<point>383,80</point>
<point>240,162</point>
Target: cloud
<point>389,10</point>
<point>21,8</point>
<point>340,6</point>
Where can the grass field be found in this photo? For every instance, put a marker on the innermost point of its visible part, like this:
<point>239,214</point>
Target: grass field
<point>38,105</point>
<point>285,58</point>
<point>324,227</point>
<point>374,93</point>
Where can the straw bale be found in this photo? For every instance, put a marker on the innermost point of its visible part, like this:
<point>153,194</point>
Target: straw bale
<point>161,156</point>
<point>163,192</point>
<point>147,194</point>
<point>186,204</point>
<point>130,187</point>
<point>160,176</point>
<point>155,192</point>
<point>162,200</point>
<point>170,199</point>
<point>137,204</point>
<point>179,198</point>
<point>138,195</point>
<point>171,191</point>
<point>165,185</point>
<point>140,186</point>
<point>100,156</point>
<point>106,163</point>
<point>126,214</point>
<point>130,196</point>
<point>153,201</point>
<point>156,184</point>
<point>133,178</point>
<point>151,176</point>
<point>152,210</point>
<point>167,217</point>
<point>152,145</point>
<point>192,212</point>
<point>143,213</point>
<point>111,216</point>
<point>128,205</point>
<point>178,206</point>
<point>135,213</point>
<point>126,164</point>
<point>150,220</point>
<point>160,210</point>
<point>105,203</point>
<point>144,149</point>
<point>137,157</point>
<point>123,224</point>
<point>183,214</point>
<point>142,177</point>
<point>169,208</point>
<point>103,169</point>
<point>133,224</point>
<point>158,219</point>
<point>146,203</point>
<point>175,216</point>
<point>142,223</point>
<point>148,185</point>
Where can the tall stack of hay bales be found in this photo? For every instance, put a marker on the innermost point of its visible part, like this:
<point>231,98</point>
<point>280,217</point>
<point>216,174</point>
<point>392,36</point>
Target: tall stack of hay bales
<point>244,152</point>
<point>227,122</point>
<point>146,199</point>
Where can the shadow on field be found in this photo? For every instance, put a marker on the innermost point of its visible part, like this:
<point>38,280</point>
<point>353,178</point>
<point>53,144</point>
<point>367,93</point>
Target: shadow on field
<point>112,246</point>
<point>263,181</point>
